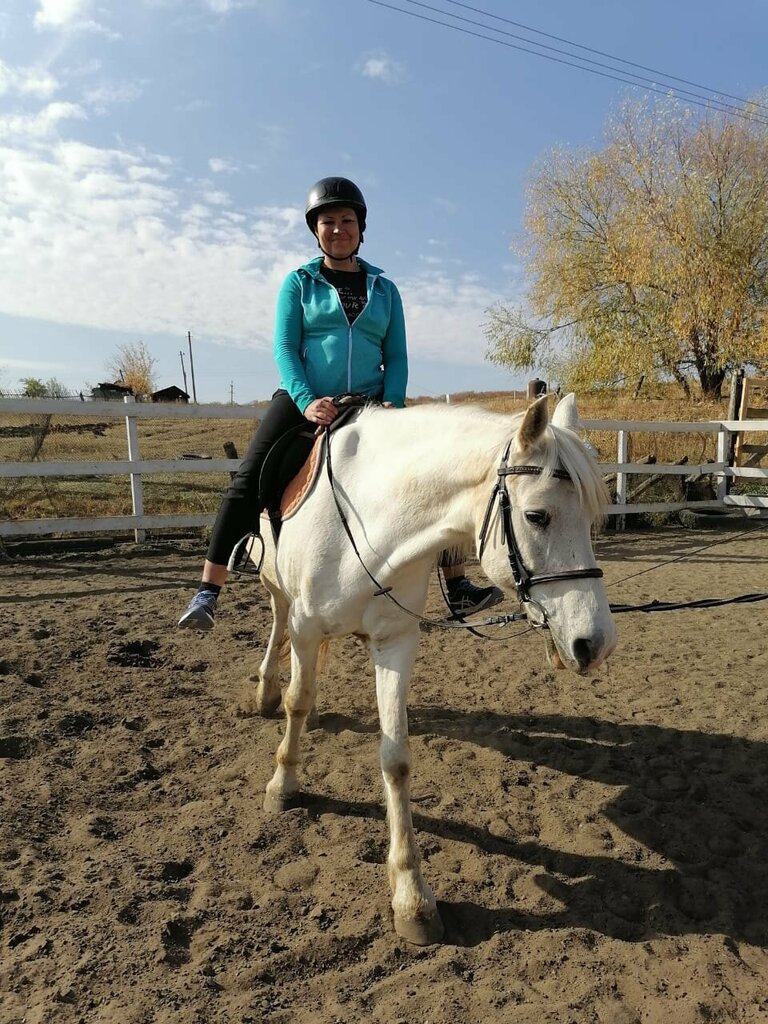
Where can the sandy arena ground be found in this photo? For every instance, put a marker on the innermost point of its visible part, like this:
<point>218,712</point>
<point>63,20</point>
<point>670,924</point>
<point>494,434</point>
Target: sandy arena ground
<point>598,844</point>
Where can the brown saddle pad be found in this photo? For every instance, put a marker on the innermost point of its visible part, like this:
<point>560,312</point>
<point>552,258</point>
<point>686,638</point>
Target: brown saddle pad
<point>300,486</point>
<point>292,466</point>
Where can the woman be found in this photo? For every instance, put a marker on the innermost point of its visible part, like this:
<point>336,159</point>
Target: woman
<point>339,328</point>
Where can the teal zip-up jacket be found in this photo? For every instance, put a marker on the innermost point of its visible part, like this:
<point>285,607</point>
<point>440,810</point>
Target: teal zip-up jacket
<point>318,353</point>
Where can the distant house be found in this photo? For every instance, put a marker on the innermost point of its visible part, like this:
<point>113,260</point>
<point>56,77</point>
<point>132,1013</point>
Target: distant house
<point>110,392</point>
<point>171,394</point>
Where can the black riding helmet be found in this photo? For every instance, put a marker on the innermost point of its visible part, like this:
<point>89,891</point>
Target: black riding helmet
<point>335,192</point>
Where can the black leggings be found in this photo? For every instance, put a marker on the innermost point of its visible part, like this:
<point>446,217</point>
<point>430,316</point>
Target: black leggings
<point>240,507</point>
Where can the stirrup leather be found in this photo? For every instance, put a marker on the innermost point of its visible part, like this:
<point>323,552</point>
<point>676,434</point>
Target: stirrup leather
<point>240,559</point>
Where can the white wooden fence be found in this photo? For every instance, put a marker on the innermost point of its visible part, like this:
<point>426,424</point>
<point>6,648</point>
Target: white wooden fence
<point>134,466</point>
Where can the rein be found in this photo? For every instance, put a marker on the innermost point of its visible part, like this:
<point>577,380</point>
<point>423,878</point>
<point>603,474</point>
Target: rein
<point>523,578</point>
<point>496,620</point>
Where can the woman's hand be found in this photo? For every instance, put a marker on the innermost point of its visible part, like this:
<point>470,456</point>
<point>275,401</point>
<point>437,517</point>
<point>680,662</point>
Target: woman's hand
<point>388,405</point>
<point>322,411</point>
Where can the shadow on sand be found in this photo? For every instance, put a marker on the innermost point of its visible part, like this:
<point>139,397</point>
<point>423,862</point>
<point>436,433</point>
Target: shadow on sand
<point>698,800</point>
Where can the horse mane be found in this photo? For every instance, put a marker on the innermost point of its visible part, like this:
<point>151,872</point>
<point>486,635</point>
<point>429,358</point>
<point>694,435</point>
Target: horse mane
<point>566,450</point>
<point>559,448</point>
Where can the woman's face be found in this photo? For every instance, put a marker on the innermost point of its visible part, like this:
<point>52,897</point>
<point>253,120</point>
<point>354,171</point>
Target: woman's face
<point>338,231</point>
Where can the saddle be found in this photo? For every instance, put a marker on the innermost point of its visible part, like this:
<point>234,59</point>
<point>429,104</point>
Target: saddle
<point>294,460</point>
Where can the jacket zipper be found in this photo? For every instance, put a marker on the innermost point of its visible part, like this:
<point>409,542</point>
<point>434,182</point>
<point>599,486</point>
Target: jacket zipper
<point>369,293</point>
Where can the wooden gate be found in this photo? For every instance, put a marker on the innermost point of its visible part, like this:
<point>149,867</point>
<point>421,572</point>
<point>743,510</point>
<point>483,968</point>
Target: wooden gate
<point>754,406</point>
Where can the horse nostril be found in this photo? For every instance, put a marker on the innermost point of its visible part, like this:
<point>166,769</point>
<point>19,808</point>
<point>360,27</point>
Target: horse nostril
<point>584,651</point>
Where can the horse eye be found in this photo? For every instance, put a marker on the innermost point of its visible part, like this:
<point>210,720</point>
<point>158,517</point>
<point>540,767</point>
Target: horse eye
<point>540,519</point>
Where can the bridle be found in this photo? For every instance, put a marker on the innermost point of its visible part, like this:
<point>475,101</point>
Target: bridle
<point>521,575</point>
<point>524,579</point>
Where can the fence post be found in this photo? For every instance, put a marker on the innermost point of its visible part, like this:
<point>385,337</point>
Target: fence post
<point>724,454</point>
<point>622,457</point>
<point>137,493</point>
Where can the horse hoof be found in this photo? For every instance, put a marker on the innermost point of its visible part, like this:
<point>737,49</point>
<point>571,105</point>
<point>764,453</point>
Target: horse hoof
<point>277,803</point>
<point>422,930</point>
<point>253,702</point>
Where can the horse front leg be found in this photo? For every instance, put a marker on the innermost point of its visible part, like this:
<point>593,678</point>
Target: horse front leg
<point>415,910</point>
<point>299,698</point>
<point>264,698</point>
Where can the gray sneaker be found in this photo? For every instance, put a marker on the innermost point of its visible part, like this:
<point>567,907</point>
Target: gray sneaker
<point>466,598</point>
<point>200,611</point>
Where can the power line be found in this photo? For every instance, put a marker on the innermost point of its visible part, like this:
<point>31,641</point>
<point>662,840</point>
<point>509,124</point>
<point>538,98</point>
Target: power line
<point>709,104</point>
<point>586,60</point>
<point>602,53</point>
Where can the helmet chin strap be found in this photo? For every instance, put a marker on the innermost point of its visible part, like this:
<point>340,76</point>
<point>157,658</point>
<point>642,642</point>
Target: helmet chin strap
<point>345,259</point>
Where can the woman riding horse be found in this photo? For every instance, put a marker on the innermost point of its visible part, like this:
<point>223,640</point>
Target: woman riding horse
<point>339,328</point>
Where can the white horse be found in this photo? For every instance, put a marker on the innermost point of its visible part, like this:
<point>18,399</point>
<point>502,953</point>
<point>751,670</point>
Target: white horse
<point>411,483</point>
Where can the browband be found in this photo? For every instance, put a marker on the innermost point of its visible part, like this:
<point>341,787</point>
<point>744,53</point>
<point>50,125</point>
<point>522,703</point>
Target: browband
<point>531,471</point>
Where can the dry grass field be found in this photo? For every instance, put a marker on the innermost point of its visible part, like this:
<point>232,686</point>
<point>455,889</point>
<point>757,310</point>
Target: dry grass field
<point>60,438</point>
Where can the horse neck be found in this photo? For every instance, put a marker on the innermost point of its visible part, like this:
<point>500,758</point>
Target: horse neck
<point>442,463</point>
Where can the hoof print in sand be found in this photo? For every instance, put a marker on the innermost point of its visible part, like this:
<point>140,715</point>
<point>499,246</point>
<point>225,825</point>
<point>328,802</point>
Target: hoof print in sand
<point>176,938</point>
<point>16,747</point>
<point>176,870</point>
<point>136,654</point>
<point>137,724</point>
<point>76,724</point>
<point>104,828</point>
<point>129,914</point>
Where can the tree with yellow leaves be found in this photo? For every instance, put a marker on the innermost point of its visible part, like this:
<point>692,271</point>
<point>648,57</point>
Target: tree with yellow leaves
<point>133,365</point>
<point>648,257</point>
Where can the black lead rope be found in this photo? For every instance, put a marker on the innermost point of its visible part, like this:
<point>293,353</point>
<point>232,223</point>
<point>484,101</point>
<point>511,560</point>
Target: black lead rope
<point>704,602</point>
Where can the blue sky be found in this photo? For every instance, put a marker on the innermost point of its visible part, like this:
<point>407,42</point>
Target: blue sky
<point>155,155</point>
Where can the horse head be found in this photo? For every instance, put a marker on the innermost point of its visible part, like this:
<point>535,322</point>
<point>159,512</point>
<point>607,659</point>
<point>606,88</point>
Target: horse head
<point>543,545</point>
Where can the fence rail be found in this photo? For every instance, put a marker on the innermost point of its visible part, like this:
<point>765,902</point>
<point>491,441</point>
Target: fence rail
<point>134,466</point>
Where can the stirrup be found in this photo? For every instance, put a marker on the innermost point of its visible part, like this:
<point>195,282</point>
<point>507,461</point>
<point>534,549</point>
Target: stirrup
<point>239,559</point>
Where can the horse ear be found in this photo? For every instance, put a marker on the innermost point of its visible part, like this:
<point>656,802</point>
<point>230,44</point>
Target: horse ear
<point>566,414</point>
<point>534,423</point>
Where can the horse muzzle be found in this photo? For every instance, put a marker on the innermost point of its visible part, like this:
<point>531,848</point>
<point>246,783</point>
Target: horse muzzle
<point>582,654</point>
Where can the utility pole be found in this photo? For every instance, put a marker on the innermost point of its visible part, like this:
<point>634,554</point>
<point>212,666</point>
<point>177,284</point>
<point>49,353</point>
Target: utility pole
<point>192,368</point>
<point>183,370</point>
<point>231,392</point>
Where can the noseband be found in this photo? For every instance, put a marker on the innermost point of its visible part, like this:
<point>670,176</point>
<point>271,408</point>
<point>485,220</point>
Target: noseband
<point>523,577</point>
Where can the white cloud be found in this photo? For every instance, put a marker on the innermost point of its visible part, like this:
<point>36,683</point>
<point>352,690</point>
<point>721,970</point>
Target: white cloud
<point>220,166</point>
<point>445,316</point>
<point>112,238</point>
<point>193,106</point>
<point>117,237</point>
<point>35,82</point>
<point>60,13</point>
<point>40,125</point>
<point>101,97</point>
<point>68,16</point>
<point>109,238</point>
<point>216,198</point>
<point>227,6</point>
<point>383,68</point>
